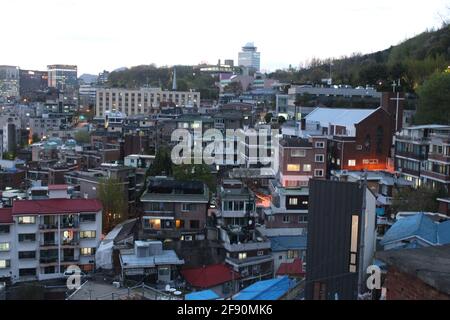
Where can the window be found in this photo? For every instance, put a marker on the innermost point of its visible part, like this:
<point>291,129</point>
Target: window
<point>318,173</point>
<point>179,224</point>
<point>164,271</point>
<point>292,254</point>
<point>285,219</point>
<point>351,163</point>
<point>4,264</point>
<point>354,243</point>
<point>27,220</point>
<point>293,167</point>
<point>27,254</point>
<point>302,219</point>
<point>307,167</point>
<point>87,251</point>
<point>4,229</point>
<point>320,144</point>
<point>87,234</point>
<point>242,255</point>
<point>4,246</point>
<point>87,217</point>
<point>293,201</point>
<point>319,158</point>
<point>260,252</point>
<point>185,207</point>
<point>195,224</point>
<point>297,153</point>
<point>27,237</point>
<point>27,272</point>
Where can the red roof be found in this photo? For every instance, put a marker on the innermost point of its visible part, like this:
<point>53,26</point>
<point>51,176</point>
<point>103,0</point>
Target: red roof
<point>57,187</point>
<point>55,206</point>
<point>294,268</point>
<point>209,276</point>
<point>6,215</point>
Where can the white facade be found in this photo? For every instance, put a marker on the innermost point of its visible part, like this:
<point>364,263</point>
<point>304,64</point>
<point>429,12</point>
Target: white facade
<point>249,57</point>
<point>41,247</point>
<point>141,101</point>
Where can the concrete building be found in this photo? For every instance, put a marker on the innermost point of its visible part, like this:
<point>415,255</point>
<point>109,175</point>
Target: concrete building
<point>9,83</point>
<point>142,101</point>
<point>64,78</point>
<point>422,155</point>
<point>41,238</point>
<point>33,85</point>
<point>249,57</point>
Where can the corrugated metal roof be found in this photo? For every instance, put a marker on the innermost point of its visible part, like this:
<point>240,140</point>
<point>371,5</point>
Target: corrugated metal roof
<point>272,289</point>
<point>343,117</point>
<point>202,295</point>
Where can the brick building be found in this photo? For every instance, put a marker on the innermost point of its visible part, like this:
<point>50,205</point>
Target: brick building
<point>417,274</point>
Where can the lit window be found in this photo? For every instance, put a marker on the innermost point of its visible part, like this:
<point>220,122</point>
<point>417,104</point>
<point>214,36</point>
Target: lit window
<point>307,167</point>
<point>293,167</point>
<point>351,163</point>
<point>242,255</point>
<point>4,246</point>
<point>4,264</point>
<point>27,220</point>
<point>293,201</point>
<point>87,251</point>
<point>87,234</point>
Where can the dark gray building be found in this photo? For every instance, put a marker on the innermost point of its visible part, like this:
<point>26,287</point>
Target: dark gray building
<point>334,251</point>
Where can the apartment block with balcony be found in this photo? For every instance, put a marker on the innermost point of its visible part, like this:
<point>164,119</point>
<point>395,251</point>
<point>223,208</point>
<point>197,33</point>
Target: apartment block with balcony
<point>175,209</point>
<point>422,155</point>
<point>47,236</point>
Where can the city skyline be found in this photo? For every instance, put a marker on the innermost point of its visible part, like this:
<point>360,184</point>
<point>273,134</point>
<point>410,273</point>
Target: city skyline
<point>287,34</point>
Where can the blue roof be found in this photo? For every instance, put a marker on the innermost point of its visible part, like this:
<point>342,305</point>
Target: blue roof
<point>202,295</point>
<point>419,226</point>
<point>444,232</point>
<point>272,289</point>
<point>283,243</point>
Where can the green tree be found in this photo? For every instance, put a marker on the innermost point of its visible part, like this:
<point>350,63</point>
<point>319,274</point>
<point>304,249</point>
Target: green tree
<point>420,199</point>
<point>162,164</point>
<point>199,172</point>
<point>111,193</point>
<point>434,100</point>
<point>83,136</point>
<point>35,138</point>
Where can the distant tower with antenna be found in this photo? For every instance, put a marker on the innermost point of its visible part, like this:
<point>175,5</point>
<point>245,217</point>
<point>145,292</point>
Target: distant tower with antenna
<point>174,80</point>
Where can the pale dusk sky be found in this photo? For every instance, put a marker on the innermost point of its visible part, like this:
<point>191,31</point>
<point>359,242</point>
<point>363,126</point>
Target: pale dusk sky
<point>108,34</point>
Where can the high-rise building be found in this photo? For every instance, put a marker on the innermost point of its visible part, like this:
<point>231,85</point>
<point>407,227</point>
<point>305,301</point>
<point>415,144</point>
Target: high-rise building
<point>249,57</point>
<point>65,79</point>
<point>9,83</point>
<point>33,84</point>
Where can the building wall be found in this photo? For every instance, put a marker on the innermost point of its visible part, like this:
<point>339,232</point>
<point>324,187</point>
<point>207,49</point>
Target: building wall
<point>402,286</point>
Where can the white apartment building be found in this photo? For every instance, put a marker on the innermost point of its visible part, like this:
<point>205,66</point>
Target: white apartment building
<point>39,239</point>
<point>141,101</point>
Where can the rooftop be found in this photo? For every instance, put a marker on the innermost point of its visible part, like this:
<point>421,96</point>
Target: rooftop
<point>272,289</point>
<point>166,189</point>
<point>430,264</point>
<point>165,258</point>
<point>294,268</point>
<point>202,295</point>
<point>284,243</point>
<point>6,215</point>
<point>296,143</point>
<point>209,276</point>
<point>55,206</point>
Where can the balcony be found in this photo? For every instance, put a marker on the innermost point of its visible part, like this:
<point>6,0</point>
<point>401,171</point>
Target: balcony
<point>51,227</point>
<point>70,243</point>
<point>48,260</point>
<point>48,244</point>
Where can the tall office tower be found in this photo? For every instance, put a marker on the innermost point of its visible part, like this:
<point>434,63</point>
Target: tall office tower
<point>65,79</point>
<point>249,57</point>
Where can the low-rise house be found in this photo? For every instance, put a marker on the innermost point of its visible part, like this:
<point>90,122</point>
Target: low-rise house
<point>175,209</point>
<point>416,231</point>
<point>148,259</point>
<point>219,278</point>
<point>417,274</point>
<point>287,249</point>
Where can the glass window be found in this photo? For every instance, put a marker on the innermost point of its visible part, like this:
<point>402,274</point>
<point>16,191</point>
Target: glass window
<point>320,144</point>
<point>87,234</point>
<point>318,173</point>
<point>298,153</point>
<point>4,264</point>
<point>27,237</point>
<point>27,254</point>
<point>27,219</point>
<point>242,255</point>
<point>319,158</point>
<point>293,167</point>
<point>87,251</point>
<point>4,246</point>
<point>285,219</point>
<point>307,167</point>
<point>293,201</point>
<point>351,163</point>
